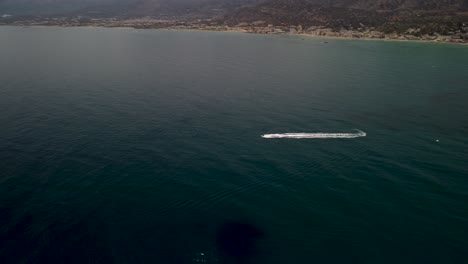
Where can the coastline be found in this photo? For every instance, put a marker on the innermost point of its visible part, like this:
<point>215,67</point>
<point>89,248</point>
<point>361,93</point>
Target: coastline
<point>385,40</point>
<point>245,31</point>
<point>316,36</point>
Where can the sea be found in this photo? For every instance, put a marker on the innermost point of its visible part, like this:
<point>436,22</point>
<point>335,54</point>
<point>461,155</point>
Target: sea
<point>158,146</point>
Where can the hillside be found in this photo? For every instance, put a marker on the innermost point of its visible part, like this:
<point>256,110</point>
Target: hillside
<point>413,17</point>
<point>426,17</point>
<point>207,7</point>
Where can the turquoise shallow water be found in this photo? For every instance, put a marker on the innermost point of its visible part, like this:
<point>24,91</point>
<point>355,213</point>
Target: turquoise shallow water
<point>141,146</point>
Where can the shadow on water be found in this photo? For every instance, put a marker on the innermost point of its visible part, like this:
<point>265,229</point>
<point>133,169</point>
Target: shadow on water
<point>237,241</point>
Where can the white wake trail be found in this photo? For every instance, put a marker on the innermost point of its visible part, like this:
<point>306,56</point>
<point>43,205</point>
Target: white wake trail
<point>317,135</point>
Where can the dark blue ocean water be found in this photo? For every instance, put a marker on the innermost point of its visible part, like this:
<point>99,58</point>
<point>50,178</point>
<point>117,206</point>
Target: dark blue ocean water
<point>142,146</point>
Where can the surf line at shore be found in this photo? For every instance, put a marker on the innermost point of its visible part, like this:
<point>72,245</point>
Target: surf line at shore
<point>317,135</point>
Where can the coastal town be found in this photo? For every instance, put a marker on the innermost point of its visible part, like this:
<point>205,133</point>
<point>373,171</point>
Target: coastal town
<point>256,27</point>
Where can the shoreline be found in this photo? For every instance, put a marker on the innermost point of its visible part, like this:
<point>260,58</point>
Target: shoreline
<point>317,36</point>
<point>386,40</point>
<point>244,31</point>
<point>314,36</point>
